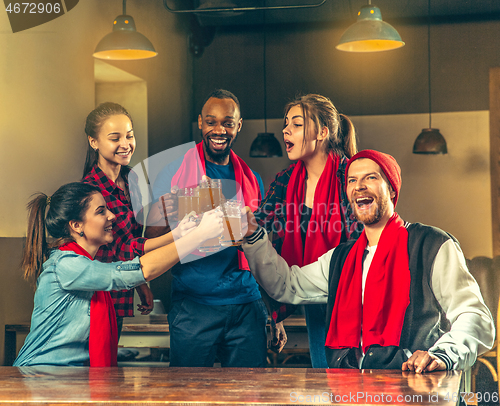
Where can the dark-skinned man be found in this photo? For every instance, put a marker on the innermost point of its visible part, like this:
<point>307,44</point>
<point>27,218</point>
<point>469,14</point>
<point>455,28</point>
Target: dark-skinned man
<point>217,310</point>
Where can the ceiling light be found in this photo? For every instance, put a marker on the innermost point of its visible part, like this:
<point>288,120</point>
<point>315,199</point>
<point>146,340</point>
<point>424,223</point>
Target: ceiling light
<point>430,141</point>
<point>124,43</point>
<point>265,145</point>
<point>369,33</point>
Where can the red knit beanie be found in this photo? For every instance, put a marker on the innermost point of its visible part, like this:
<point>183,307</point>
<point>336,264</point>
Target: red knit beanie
<point>388,165</point>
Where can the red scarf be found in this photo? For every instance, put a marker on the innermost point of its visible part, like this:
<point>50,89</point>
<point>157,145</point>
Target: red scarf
<point>326,225</point>
<point>248,190</point>
<point>387,292</point>
<point>103,335</point>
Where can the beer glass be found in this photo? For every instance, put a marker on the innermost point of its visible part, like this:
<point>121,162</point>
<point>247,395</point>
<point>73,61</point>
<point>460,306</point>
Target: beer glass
<point>188,201</point>
<point>210,196</point>
<point>232,235</point>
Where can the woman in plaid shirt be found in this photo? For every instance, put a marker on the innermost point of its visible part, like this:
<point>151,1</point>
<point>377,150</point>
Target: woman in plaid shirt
<point>306,207</point>
<point>111,145</point>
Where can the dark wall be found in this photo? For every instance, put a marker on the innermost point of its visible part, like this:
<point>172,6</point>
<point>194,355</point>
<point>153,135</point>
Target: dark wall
<point>303,58</point>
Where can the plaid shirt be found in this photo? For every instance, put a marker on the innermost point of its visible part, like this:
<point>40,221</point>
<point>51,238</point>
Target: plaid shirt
<point>128,242</point>
<point>271,215</point>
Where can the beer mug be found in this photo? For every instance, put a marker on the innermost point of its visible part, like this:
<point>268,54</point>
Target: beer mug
<point>232,235</point>
<point>189,201</point>
<point>210,196</point>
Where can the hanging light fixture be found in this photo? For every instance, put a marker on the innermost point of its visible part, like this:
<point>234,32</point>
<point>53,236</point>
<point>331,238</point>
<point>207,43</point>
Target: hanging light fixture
<point>430,141</point>
<point>265,145</point>
<point>124,43</point>
<point>369,33</point>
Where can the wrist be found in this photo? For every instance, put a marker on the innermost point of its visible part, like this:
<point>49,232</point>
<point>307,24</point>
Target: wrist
<point>258,234</point>
<point>198,237</point>
<point>176,233</point>
<point>445,358</point>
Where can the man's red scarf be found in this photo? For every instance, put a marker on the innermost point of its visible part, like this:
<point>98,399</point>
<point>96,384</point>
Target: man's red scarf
<point>248,191</point>
<point>103,335</point>
<point>325,228</point>
<point>387,292</point>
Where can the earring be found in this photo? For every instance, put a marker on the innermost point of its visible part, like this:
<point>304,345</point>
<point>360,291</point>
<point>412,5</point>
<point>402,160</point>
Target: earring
<point>81,233</point>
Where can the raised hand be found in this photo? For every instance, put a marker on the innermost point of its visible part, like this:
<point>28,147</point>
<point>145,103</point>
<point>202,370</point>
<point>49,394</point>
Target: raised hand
<point>248,222</point>
<point>211,224</point>
<point>170,204</point>
<point>187,225</point>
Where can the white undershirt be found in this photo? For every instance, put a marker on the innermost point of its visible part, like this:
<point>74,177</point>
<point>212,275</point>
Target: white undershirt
<point>370,253</point>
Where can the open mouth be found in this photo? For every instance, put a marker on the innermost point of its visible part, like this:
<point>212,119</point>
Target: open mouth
<point>364,202</point>
<point>109,228</point>
<point>219,144</point>
<point>289,145</point>
<point>124,154</point>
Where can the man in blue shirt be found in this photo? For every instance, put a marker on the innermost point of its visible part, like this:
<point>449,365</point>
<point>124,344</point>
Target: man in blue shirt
<point>217,310</point>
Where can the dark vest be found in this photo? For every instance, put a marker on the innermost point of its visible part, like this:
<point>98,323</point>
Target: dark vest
<point>424,320</point>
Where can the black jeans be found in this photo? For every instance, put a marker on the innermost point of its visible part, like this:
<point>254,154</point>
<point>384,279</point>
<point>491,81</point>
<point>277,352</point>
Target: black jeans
<point>236,334</point>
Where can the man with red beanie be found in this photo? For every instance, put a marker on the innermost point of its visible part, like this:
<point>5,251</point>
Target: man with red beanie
<point>399,297</point>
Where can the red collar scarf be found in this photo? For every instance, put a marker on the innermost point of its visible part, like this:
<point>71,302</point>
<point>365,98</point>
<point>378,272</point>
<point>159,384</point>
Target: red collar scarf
<point>325,227</point>
<point>103,335</point>
<point>248,189</point>
<point>387,292</point>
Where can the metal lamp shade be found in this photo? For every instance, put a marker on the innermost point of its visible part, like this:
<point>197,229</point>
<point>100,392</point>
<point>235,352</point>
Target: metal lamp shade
<point>430,141</point>
<point>370,33</point>
<point>265,146</point>
<point>124,42</point>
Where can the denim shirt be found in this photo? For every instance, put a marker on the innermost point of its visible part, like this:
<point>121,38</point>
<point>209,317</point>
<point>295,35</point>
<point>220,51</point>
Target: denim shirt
<point>60,323</point>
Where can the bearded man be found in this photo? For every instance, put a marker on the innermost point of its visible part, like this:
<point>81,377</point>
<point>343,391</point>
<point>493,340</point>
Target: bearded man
<point>399,297</point>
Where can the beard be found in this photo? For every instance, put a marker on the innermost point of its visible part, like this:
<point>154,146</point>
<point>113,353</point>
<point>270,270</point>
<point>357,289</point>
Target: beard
<point>215,155</point>
<point>369,219</point>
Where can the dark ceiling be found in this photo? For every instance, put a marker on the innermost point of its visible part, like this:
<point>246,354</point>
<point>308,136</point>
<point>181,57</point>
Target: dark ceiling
<point>400,11</point>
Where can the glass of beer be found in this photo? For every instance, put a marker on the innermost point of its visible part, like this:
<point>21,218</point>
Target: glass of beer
<point>232,235</point>
<point>188,201</point>
<point>210,196</point>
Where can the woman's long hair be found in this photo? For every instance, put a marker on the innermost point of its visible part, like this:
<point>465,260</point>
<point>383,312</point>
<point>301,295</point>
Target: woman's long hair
<point>93,125</point>
<point>320,109</point>
<point>69,202</point>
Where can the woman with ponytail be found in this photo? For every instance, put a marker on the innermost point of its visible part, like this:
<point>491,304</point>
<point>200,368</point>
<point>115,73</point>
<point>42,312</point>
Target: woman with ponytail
<point>73,321</point>
<point>306,207</point>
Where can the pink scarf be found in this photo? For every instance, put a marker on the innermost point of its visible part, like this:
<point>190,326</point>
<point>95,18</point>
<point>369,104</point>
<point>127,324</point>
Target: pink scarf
<point>193,168</point>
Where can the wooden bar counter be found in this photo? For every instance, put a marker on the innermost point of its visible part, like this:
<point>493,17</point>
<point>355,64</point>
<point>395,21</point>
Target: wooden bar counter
<point>223,386</point>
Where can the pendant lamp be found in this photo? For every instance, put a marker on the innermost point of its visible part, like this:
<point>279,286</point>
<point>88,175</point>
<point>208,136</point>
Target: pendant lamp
<point>124,42</point>
<point>265,145</point>
<point>430,141</point>
<point>369,33</point>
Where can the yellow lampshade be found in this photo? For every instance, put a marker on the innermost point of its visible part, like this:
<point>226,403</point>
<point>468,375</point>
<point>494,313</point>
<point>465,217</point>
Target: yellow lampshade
<point>124,43</point>
<point>370,33</point>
